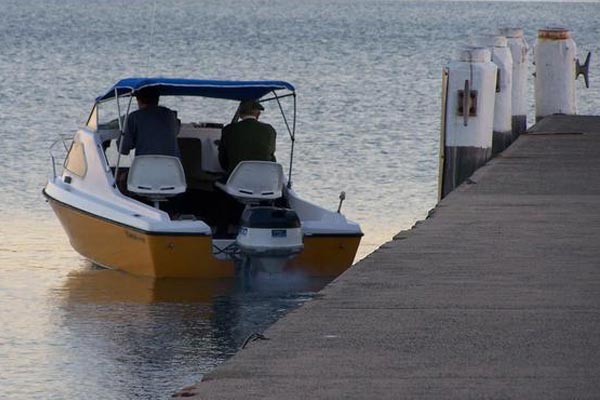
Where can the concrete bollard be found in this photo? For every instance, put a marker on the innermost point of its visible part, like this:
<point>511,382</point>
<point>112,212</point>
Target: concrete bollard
<point>468,96</point>
<point>501,56</point>
<point>520,57</point>
<point>556,69</point>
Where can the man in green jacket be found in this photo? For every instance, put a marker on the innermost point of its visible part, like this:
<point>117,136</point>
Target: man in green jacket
<point>247,139</point>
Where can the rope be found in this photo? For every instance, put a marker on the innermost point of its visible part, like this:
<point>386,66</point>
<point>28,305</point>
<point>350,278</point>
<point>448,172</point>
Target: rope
<point>253,337</point>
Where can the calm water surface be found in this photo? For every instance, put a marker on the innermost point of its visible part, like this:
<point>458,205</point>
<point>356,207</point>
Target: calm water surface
<point>368,80</point>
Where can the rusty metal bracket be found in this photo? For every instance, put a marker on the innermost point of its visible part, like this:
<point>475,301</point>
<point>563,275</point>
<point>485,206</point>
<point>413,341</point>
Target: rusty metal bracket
<point>467,100</point>
<point>583,69</point>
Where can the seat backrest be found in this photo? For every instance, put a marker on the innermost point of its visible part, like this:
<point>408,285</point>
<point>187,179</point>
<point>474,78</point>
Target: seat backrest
<point>191,156</point>
<point>207,133</point>
<point>255,181</point>
<point>156,176</point>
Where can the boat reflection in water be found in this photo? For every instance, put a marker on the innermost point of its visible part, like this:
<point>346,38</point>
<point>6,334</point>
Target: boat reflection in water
<point>139,335</point>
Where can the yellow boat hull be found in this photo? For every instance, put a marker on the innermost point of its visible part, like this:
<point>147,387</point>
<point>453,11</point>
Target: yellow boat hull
<point>118,246</point>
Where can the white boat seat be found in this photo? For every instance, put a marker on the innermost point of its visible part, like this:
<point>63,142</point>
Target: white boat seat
<point>156,177</point>
<point>254,181</point>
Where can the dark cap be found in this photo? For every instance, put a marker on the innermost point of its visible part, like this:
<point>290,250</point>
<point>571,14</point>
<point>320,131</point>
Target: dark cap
<point>248,106</point>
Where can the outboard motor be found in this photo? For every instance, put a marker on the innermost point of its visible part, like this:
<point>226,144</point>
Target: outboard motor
<point>269,237</point>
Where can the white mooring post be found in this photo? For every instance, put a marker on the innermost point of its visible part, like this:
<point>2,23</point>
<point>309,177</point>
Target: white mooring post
<point>502,57</point>
<point>556,69</point>
<point>467,117</point>
<point>520,57</point>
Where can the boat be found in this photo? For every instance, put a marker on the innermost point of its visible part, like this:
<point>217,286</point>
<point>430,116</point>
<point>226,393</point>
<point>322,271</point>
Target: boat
<point>165,222</point>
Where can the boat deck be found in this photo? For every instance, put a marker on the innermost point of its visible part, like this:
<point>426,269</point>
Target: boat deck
<point>496,295</point>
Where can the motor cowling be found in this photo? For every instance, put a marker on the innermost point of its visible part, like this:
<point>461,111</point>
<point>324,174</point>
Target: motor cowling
<point>269,236</point>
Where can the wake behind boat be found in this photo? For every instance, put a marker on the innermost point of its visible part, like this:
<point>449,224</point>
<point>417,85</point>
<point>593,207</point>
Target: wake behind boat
<point>168,221</point>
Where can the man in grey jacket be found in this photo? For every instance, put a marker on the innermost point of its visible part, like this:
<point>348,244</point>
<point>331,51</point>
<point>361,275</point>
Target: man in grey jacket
<point>152,129</point>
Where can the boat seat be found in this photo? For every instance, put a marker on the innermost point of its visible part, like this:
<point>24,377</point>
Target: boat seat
<point>254,181</point>
<point>156,177</point>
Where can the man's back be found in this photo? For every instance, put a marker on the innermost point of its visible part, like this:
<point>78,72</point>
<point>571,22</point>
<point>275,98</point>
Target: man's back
<point>152,130</point>
<point>248,139</point>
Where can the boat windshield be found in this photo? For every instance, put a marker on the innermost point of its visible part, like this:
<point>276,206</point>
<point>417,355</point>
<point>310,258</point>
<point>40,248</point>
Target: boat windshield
<point>104,116</point>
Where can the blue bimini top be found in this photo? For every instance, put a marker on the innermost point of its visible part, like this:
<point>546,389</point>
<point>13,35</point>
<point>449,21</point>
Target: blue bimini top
<point>231,90</point>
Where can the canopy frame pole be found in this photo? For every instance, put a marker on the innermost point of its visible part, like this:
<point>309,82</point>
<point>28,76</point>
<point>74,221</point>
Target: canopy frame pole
<point>276,97</point>
<point>122,127</point>
<point>291,132</point>
<point>293,141</point>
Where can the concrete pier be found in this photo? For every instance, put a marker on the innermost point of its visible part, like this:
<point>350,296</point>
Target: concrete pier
<point>495,295</point>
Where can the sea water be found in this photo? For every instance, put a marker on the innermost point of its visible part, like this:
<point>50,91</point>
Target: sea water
<point>367,75</point>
